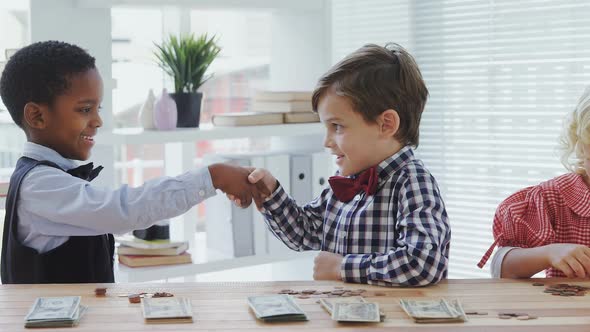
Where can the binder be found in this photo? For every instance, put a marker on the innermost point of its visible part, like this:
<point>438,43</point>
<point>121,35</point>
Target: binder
<point>261,232</point>
<point>279,167</point>
<point>229,227</point>
<point>301,179</point>
<point>322,167</point>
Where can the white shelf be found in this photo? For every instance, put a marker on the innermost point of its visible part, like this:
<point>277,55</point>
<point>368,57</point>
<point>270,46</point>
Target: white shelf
<point>206,132</point>
<point>142,274</point>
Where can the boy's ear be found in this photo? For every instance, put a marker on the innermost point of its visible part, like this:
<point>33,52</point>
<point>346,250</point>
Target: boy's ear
<point>389,122</point>
<point>35,115</point>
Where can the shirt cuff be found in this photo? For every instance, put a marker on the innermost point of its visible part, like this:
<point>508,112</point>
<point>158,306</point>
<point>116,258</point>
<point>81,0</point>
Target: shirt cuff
<point>355,268</point>
<point>498,259</point>
<point>275,201</point>
<point>199,185</point>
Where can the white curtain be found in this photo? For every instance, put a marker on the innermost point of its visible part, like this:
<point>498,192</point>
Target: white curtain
<point>502,76</point>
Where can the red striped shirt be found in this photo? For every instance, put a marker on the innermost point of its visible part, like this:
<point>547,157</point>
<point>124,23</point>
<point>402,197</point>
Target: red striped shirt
<point>555,211</point>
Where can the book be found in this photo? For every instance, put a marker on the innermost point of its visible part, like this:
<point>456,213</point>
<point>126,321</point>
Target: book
<point>140,260</point>
<point>283,95</point>
<point>301,117</point>
<point>282,106</point>
<point>141,244</point>
<point>125,250</point>
<point>247,119</point>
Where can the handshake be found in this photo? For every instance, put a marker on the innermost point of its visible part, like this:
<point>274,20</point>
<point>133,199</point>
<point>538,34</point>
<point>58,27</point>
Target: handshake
<point>243,184</point>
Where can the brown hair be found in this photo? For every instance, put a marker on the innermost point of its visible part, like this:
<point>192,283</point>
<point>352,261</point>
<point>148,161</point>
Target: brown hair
<point>376,79</point>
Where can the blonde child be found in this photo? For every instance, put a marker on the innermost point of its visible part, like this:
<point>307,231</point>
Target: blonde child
<point>547,226</point>
<point>383,220</point>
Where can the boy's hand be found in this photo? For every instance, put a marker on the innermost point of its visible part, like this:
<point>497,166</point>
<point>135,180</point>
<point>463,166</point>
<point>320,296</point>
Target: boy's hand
<point>233,181</point>
<point>571,259</point>
<point>262,177</point>
<point>327,266</point>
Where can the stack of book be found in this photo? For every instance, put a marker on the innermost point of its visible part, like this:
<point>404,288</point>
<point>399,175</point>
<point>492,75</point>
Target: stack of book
<point>139,253</point>
<point>273,107</point>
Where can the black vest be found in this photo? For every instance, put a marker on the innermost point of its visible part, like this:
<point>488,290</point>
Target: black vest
<point>81,259</point>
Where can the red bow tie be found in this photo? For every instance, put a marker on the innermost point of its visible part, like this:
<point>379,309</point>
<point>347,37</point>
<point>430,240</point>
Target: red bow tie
<point>345,188</point>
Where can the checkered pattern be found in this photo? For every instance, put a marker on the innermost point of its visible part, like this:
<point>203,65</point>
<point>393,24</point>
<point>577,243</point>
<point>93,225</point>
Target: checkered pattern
<point>555,211</point>
<point>399,236</point>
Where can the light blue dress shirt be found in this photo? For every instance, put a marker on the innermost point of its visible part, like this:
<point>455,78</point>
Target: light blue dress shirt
<point>54,205</point>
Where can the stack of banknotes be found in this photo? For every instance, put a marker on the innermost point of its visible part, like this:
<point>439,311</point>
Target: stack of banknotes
<point>276,308</point>
<point>434,310</point>
<point>63,311</point>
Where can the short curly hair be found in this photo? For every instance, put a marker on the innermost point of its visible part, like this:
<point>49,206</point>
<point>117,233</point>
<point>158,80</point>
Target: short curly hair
<point>576,133</point>
<point>39,73</point>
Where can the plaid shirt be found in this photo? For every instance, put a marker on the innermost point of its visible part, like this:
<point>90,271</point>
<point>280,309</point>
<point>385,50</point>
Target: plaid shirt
<point>555,211</point>
<point>399,236</point>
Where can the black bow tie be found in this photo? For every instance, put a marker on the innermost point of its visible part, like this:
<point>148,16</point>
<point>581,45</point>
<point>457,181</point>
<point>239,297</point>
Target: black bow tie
<point>85,172</point>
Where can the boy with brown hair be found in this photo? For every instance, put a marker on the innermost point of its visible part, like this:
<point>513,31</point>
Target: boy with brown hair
<point>383,220</point>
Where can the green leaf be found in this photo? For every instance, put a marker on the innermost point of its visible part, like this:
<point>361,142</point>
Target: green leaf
<point>186,60</point>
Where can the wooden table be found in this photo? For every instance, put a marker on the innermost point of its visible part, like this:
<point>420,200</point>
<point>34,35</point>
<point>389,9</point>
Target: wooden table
<point>222,306</point>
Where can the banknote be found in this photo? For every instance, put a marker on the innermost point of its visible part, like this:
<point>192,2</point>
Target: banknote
<point>167,310</point>
<point>356,312</point>
<point>276,308</point>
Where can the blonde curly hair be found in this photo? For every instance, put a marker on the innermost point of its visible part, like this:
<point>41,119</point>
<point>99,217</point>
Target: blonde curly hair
<point>576,134</point>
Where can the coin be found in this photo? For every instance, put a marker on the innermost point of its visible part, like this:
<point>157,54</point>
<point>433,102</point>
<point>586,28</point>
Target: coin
<point>134,298</point>
<point>100,291</point>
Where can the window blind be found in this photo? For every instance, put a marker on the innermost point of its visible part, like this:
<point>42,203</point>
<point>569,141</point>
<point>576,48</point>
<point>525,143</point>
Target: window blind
<point>502,76</point>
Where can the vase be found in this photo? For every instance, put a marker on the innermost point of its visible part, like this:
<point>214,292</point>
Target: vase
<point>165,113</point>
<point>146,112</point>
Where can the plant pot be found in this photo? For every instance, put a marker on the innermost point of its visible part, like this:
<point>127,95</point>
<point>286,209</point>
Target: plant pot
<point>189,108</point>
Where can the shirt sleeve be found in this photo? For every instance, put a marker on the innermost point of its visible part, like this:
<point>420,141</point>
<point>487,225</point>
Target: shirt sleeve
<point>524,220</point>
<point>422,241</point>
<point>298,227</point>
<point>59,198</point>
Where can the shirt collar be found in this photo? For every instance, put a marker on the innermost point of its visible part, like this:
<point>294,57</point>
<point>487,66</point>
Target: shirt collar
<point>395,162</point>
<point>41,152</point>
<point>575,193</point>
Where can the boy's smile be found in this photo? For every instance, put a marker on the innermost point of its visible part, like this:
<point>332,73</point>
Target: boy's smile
<point>70,124</point>
<point>356,143</point>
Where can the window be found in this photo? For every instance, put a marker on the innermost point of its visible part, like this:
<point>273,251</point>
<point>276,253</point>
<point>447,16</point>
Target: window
<point>243,64</point>
<point>502,76</point>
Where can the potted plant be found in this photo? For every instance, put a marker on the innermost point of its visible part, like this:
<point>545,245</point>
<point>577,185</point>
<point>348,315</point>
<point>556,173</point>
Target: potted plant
<point>186,60</point>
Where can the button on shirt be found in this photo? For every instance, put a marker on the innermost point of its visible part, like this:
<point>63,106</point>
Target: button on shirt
<point>399,236</point>
<point>54,205</point>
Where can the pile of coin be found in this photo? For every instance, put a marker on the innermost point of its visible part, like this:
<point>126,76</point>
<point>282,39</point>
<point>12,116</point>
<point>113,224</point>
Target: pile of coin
<point>566,290</point>
<point>336,292</point>
<point>517,315</point>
